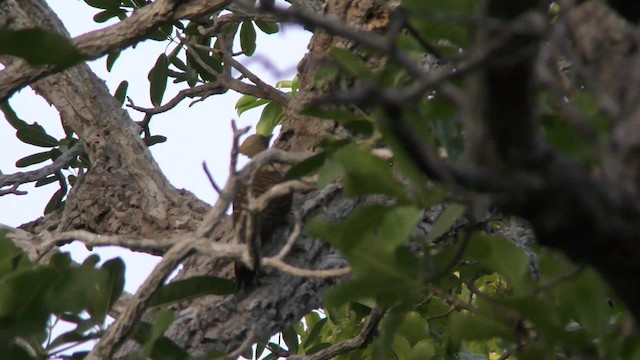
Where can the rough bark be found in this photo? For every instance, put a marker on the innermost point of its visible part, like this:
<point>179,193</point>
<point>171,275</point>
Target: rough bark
<point>126,193</point>
<point>590,217</point>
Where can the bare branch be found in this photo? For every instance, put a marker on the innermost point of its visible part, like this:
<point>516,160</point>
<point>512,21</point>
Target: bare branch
<point>260,89</point>
<point>286,268</point>
<point>200,90</point>
<point>211,179</point>
<point>297,227</point>
<point>263,89</point>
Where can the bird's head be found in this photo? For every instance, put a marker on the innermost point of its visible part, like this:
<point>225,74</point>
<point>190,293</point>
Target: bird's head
<point>254,144</point>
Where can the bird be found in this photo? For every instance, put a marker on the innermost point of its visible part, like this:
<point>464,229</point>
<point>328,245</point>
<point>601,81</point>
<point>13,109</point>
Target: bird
<point>268,219</point>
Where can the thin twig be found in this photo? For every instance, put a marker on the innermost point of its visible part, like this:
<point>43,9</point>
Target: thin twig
<point>297,227</point>
<point>19,178</point>
<point>210,177</point>
<point>296,271</point>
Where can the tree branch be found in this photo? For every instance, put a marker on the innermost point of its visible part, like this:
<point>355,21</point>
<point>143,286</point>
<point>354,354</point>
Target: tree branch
<point>100,42</point>
<point>19,178</point>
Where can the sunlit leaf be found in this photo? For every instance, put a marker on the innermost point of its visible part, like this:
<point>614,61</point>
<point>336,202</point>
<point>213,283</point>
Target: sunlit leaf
<point>271,116</point>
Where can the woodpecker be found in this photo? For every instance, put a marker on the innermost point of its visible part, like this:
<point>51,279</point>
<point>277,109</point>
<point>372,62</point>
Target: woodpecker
<point>268,220</point>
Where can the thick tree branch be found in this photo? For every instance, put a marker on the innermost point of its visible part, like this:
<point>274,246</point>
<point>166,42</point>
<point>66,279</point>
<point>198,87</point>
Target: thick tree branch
<point>100,42</point>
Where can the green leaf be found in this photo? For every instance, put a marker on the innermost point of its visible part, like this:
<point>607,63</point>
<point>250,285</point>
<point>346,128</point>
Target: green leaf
<point>108,14</point>
<point>55,201</point>
<point>161,324</point>
<point>248,102</point>
<point>445,221</point>
<point>154,139</point>
<point>158,79</point>
<point>271,116</point>
<point>314,334</point>
<point>103,4</point>
<point>193,287</point>
<point>423,350</point>
<point>586,295</point>
<point>121,92</point>
<point>46,181</point>
<point>247,38</point>
<point>353,122</point>
<point>11,257</point>
<point>162,33</point>
<point>45,47</point>
<point>111,59</point>
<point>414,328</point>
<point>11,116</point>
<point>351,63</point>
<point>306,166</point>
<point>260,346</point>
<point>268,27</point>
<point>465,326</point>
<point>213,62</point>
<point>367,174</point>
<point>73,336</point>
<point>36,135</point>
<point>291,339</point>
<point>33,159</point>
<point>115,282</point>
<point>502,256</point>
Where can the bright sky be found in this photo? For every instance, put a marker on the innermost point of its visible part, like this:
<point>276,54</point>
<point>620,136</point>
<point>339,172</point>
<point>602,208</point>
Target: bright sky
<point>198,133</point>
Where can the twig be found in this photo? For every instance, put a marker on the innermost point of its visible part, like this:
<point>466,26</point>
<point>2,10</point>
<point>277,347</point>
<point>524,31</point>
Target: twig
<point>261,202</point>
<point>19,178</point>
<point>228,192</point>
<point>13,190</point>
<point>210,177</point>
<point>452,300</point>
<point>150,246</point>
<point>199,90</point>
<point>292,270</point>
<point>270,92</point>
<point>260,89</point>
<point>297,227</point>
<point>121,35</point>
<point>235,145</point>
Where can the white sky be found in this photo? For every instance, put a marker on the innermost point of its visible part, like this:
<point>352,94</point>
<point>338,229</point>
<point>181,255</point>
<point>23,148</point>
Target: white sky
<point>195,134</point>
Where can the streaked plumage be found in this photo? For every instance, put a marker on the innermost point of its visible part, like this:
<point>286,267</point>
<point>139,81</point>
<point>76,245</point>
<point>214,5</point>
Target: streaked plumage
<point>269,218</point>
